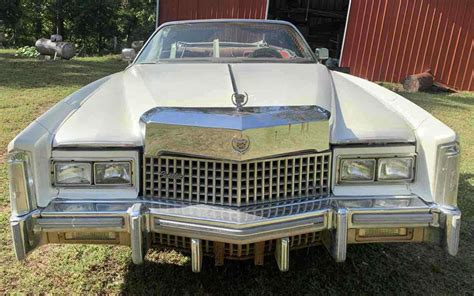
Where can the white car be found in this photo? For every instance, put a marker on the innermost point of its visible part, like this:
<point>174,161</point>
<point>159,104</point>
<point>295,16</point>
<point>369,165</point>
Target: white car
<point>229,138</point>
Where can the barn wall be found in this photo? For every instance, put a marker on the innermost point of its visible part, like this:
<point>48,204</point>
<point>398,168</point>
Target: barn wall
<point>172,10</point>
<point>387,40</point>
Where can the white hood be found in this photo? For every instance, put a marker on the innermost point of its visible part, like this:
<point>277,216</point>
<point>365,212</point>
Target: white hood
<point>110,116</point>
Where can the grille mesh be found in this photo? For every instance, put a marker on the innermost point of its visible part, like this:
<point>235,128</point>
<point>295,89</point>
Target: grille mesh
<point>234,251</point>
<point>236,183</point>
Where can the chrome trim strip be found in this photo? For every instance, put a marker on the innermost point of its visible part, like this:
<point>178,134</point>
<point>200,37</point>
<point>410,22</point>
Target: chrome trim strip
<point>230,118</point>
<point>377,220</point>
<point>341,56</point>
<point>266,10</point>
<point>239,220</point>
<point>161,26</point>
<point>99,223</point>
<point>249,235</point>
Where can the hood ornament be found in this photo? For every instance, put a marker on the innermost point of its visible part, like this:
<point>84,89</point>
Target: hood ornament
<point>240,100</point>
<point>241,144</point>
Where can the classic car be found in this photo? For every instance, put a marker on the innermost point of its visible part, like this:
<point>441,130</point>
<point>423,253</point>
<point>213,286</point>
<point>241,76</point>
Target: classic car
<point>231,139</point>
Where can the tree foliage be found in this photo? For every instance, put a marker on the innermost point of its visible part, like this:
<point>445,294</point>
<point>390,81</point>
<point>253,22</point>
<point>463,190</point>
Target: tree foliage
<point>95,26</point>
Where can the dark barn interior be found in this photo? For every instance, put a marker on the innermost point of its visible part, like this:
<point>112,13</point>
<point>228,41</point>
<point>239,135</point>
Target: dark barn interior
<point>322,22</point>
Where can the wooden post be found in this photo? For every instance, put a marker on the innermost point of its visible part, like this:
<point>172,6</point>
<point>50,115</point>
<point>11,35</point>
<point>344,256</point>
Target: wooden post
<point>418,82</point>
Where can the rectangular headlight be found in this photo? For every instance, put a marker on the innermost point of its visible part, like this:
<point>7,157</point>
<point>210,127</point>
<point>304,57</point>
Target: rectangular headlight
<point>112,173</point>
<point>395,169</point>
<point>357,170</point>
<point>73,173</point>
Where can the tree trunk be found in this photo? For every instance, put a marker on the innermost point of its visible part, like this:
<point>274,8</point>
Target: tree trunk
<point>60,19</point>
<point>418,82</point>
<point>38,23</point>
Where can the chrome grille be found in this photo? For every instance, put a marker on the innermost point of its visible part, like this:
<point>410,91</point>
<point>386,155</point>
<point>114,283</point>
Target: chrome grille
<point>236,183</point>
<point>233,251</point>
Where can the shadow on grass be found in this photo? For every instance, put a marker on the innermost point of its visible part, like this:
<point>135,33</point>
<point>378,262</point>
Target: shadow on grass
<point>460,98</point>
<point>369,269</point>
<point>466,196</point>
<point>433,101</point>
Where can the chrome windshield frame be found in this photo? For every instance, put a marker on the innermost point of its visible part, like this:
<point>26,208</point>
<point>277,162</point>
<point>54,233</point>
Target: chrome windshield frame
<point>251,21</point>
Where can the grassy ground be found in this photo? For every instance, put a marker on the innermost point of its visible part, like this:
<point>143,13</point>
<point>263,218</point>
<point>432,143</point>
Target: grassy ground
<point>28,88</point>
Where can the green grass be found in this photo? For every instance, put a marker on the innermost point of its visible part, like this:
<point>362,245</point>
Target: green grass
<point>29,87</point>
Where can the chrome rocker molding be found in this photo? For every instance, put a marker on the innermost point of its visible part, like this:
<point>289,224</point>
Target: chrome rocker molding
<point>335,216</point>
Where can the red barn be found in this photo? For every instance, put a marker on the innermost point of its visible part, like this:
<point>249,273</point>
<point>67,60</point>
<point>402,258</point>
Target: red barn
<point>381,40</point>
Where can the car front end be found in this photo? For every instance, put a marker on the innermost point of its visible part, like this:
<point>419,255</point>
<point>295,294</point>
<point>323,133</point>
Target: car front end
<point>248,168</point>
<point>234,203</point>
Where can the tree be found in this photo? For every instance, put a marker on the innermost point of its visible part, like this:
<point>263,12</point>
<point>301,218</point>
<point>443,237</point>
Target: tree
<point>91,24</point>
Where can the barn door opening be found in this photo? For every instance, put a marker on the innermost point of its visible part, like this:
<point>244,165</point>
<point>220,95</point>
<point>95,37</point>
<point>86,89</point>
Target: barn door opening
<point>322,22</point>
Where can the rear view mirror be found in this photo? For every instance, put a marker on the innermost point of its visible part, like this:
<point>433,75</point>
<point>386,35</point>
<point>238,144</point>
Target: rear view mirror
<point>128,55</point>
<point>322,54</point>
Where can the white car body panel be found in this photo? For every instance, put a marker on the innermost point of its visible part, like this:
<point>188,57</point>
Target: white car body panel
<point>129,94</point>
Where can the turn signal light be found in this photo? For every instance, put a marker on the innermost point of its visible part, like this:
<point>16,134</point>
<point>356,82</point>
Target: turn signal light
<point>382,232</point>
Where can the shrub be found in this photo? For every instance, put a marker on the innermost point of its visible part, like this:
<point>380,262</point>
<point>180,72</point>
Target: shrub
<point>27,52</point>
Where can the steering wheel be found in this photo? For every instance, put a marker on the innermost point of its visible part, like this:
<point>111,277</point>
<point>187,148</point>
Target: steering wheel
<point>266,52</point>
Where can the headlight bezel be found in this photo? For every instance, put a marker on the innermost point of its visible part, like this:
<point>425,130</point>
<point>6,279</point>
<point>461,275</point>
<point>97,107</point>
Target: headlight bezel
<point>93,183</point>
<point>375,180</point>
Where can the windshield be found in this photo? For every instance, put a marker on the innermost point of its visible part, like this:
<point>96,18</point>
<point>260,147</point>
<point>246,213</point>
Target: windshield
<point>226,41</point>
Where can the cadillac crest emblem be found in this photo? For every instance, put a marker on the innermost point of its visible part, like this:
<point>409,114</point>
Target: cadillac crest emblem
<point>241,144</point>
<point>240,100</point>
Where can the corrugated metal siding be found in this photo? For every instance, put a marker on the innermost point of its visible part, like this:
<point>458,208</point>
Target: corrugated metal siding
<point>172,10</point>
<point>386,40</point>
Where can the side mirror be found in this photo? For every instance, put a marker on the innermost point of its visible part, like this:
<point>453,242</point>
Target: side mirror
<point>322,54</point>
<point>128,55</point>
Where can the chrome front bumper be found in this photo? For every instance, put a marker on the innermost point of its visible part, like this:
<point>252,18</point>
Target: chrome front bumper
<point>339,218</point>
